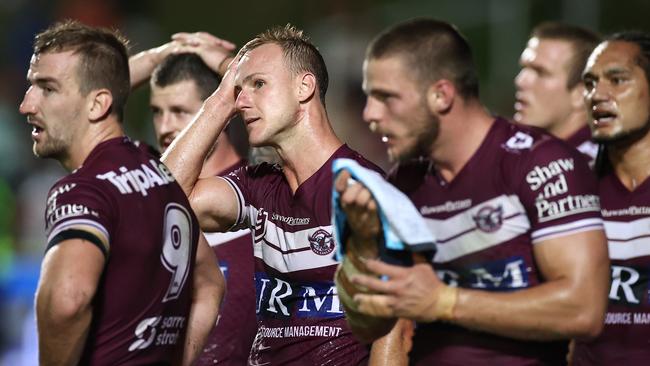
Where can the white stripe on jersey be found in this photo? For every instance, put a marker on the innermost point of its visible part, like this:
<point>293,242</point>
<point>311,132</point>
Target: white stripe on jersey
<point>459,235</point>
<point>289,251</point>
<point>628,240</point>
<point>78,222</point>
<point>566,229</point>
<point>241,213</point>
<point>215,239</point>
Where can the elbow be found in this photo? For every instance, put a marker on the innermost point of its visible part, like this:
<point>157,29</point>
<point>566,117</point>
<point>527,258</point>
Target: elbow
<point>61,306</point>
<point>588,326</point>
<point>588,319</point>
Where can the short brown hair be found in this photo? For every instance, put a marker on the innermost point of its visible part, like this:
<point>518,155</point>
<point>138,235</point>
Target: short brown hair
<point>582,41</point>
<point>103,61</point>
<point>298,51</point>
<point>434,49</point>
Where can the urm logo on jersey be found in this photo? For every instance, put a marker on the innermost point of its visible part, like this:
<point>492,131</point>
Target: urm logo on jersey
<point>277,298</point>
<point>503,275</point>
<point>629,286</point>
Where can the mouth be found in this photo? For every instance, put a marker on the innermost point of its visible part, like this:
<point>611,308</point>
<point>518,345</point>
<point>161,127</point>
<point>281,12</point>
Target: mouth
<point>602,116</point>
<point>250,120</point>
<point>36,128</point>
<point>166,141</point>
<point>520,103</point>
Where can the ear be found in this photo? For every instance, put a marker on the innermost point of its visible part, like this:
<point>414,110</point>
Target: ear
<point>99,104</point>
<point>306,87</point>
<point>440,96</point>
<point>577,97</point>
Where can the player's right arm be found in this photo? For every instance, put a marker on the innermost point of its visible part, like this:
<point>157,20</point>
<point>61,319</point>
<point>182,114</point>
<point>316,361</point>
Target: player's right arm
<point>70,273</point>
<point>213,200</point>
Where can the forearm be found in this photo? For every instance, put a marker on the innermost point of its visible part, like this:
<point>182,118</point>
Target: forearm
<point>393,348</point>
<point>61,338</point>
<point>185,156</point>
<point>551,311</point>
<point>141,66</point>
<point>208,290</point>
<point>365,327</point>
<point>203,317</point>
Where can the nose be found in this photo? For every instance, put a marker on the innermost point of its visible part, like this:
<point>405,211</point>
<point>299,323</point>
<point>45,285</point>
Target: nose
<point>28,105</point>
<point>523,78</point>
<point>597,93</point>
<point>163,125</point>
<point>372,110</point>
<point>243,100</point>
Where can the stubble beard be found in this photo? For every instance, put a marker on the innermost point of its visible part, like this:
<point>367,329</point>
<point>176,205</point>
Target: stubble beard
<point>624,138</point>
<point>424,141</point>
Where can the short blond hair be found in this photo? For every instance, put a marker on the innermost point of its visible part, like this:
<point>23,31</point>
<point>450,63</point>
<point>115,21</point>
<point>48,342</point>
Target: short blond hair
<point>301,55</point>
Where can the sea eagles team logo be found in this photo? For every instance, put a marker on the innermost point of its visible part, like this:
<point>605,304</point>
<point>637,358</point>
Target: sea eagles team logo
<point>260,225</point>
<point>489,219</point>
<point>321,242</point>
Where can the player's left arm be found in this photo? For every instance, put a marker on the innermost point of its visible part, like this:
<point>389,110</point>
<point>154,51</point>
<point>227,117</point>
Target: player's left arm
<point>208,290</point>
<point>393,348</point>
<point>570,303</point>
<point>70,274</point>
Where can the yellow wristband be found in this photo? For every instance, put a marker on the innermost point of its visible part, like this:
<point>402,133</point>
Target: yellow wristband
<point>445,303</point>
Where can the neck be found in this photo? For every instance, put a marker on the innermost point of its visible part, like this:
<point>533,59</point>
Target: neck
<point>631,161</point>
<point>307,145</point>
<point>87,139</point>
<point>462,131</point>
<point>222,157</point>
<point>570,125</point>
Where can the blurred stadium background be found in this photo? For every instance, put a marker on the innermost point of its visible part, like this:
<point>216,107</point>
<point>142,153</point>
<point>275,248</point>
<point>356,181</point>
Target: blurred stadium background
<point>496,29</point>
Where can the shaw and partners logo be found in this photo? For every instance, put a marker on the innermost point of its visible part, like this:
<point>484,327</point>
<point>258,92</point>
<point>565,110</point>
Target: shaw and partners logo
<point>321,242</point>
<point>277,298</point>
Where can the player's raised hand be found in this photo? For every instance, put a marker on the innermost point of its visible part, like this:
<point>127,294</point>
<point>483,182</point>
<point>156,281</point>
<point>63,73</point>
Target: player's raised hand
<point>214,51</point>
<point>361,210</point>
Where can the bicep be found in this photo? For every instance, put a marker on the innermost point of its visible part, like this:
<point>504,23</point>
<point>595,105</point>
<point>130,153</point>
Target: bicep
<point>580,257</point>
<point>215,203</point>
<point>70,273</point>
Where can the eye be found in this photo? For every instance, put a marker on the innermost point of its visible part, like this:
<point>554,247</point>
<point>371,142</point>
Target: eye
<point>589,84</point>
<point>616,80</point>
<point>258,83</point>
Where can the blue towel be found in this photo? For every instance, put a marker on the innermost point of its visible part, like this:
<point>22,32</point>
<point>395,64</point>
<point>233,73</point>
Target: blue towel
<point>403,227</point>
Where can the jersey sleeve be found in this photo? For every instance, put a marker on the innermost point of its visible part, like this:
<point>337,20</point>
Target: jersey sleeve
<point>78,209</point>
<point>249,184</point>
<point>558,191</point>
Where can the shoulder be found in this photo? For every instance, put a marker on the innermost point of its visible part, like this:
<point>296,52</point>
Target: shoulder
<point>265,173</point>
<point>526,147</point>
<point>346,152</point>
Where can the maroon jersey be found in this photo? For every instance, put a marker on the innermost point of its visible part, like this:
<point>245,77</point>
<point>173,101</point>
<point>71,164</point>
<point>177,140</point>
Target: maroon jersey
<point>519,188</point>
<point>230,341</point>
<point>126,198</point>
<point>625,339</point>
<point>301,321</point>
<point>581,140</point>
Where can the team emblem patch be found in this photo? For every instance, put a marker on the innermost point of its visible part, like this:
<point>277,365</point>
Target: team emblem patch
<point>489,219</point>
<point>321,242</point>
